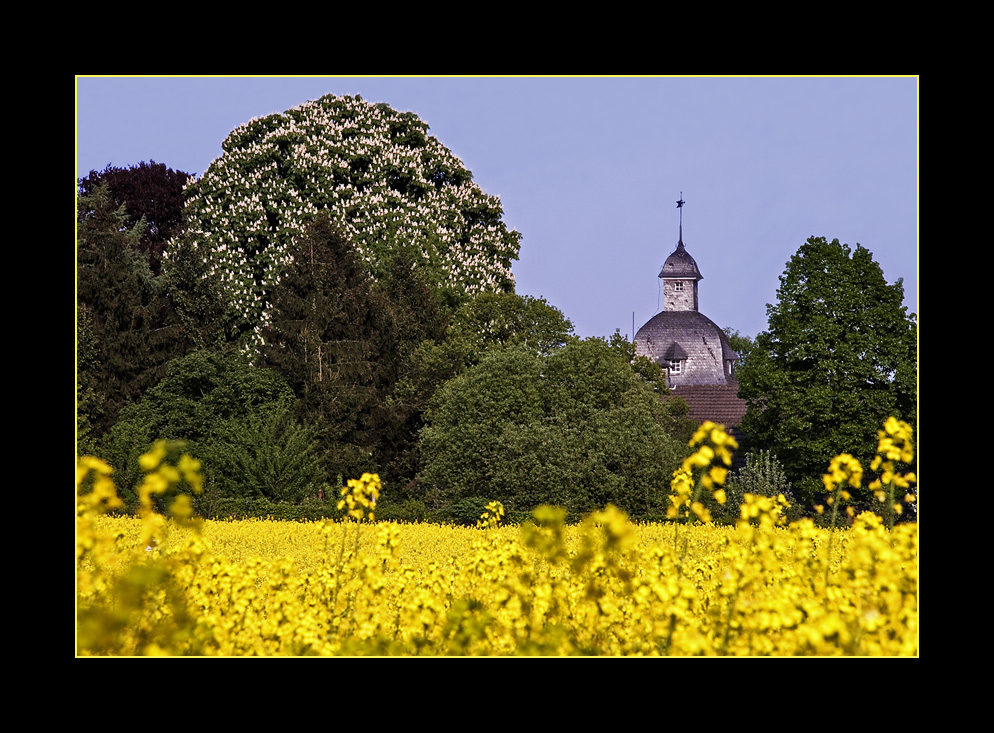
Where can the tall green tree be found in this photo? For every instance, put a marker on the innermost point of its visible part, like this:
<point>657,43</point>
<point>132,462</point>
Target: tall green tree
<point>840,356</point>
<point>485,322</point>
<point>125,326</point>
<point>420,319</point>
<point>333,335</point>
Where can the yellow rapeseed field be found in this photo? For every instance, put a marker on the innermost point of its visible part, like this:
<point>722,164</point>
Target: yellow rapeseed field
<point>148,586</point>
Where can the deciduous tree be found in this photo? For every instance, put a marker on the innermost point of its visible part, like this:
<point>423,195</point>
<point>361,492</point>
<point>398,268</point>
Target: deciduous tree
<point>485,322</point>
<point>149,192</point>
<point>577,428</point>
<point>840,356</point>
<point>386,183</point>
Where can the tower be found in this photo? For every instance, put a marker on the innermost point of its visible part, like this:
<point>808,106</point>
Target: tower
<point>680,276</point>
<point>685,342</point>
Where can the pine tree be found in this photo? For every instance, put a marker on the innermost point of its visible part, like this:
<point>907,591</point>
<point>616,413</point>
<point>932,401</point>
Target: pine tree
<point>333,335</point>
<point>127,334</point>
<point>420,318</point>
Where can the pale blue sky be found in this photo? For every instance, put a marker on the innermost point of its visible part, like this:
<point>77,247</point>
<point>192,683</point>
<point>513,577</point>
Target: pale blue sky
<point>589,170</point>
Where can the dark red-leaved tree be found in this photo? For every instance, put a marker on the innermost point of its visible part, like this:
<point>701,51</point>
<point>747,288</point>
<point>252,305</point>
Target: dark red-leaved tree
<point>149,190</point>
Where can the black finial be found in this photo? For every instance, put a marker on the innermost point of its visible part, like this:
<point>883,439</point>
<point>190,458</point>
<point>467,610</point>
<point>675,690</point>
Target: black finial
<point>679,205</point>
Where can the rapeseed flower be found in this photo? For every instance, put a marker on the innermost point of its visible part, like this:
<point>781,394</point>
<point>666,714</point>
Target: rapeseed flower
<point>894,445</point>
<point>713,446</point>
<point>605,587</point>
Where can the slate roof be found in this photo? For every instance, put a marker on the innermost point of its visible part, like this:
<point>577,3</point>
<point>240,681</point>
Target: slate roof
<point>681,264</point>
<point>688,334</point>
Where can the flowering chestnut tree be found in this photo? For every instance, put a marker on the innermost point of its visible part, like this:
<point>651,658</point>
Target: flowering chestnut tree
<point>386,182</point>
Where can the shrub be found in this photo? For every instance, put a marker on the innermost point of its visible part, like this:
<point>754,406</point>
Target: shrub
<point>576,428</point>
<point>762,475</point>
<point>234,417</point>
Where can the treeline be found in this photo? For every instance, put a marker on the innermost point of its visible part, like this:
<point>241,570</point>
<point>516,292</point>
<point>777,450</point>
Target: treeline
<point>334,296</point>
<point>453,399</point>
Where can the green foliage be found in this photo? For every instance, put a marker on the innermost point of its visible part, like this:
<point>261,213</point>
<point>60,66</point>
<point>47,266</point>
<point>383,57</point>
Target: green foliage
<point>333,335</point>
<point>506,319</point>
<point>676,413</point>
<point>741,345</point>
<point>486,322</point>
<point>467,511</point>
<point>126,330</point>
<point>576,428</point>
<point>762,475</point>
<point>386,183</point>
<point>88,403</point>
<point>281,511</point>
<point>235,417</point>
<point>651,371</point>
<point>268,455</point>
<point>420,319</point>
<point>840,356</point>
<point>196,296</point>
<point>409,511</point>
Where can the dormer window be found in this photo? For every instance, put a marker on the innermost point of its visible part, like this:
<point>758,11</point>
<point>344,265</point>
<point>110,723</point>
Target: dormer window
<point>676,366</point>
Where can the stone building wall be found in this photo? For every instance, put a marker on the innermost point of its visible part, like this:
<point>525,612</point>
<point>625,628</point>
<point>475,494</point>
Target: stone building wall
<point>679,295</point>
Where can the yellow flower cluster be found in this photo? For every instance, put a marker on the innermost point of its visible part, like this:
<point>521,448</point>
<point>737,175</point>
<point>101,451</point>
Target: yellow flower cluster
<point>713,446</point>
<point>604,587</point>
<point>763,509</point>
<point>895,444</point>
<point>492,516</point>
<point>359,497</point>
<point>843,470</point>
<point>103,494</point>
<point>94,549</point>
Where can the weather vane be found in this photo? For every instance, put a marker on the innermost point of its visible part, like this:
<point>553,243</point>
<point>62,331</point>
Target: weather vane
<point>679,205</point>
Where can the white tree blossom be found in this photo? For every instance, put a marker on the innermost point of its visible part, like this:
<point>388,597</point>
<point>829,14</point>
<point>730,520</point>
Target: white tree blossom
<point>385,181</point>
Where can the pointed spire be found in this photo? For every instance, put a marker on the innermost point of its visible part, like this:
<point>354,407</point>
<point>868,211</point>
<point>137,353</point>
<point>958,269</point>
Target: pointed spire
<point>680,265</point>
